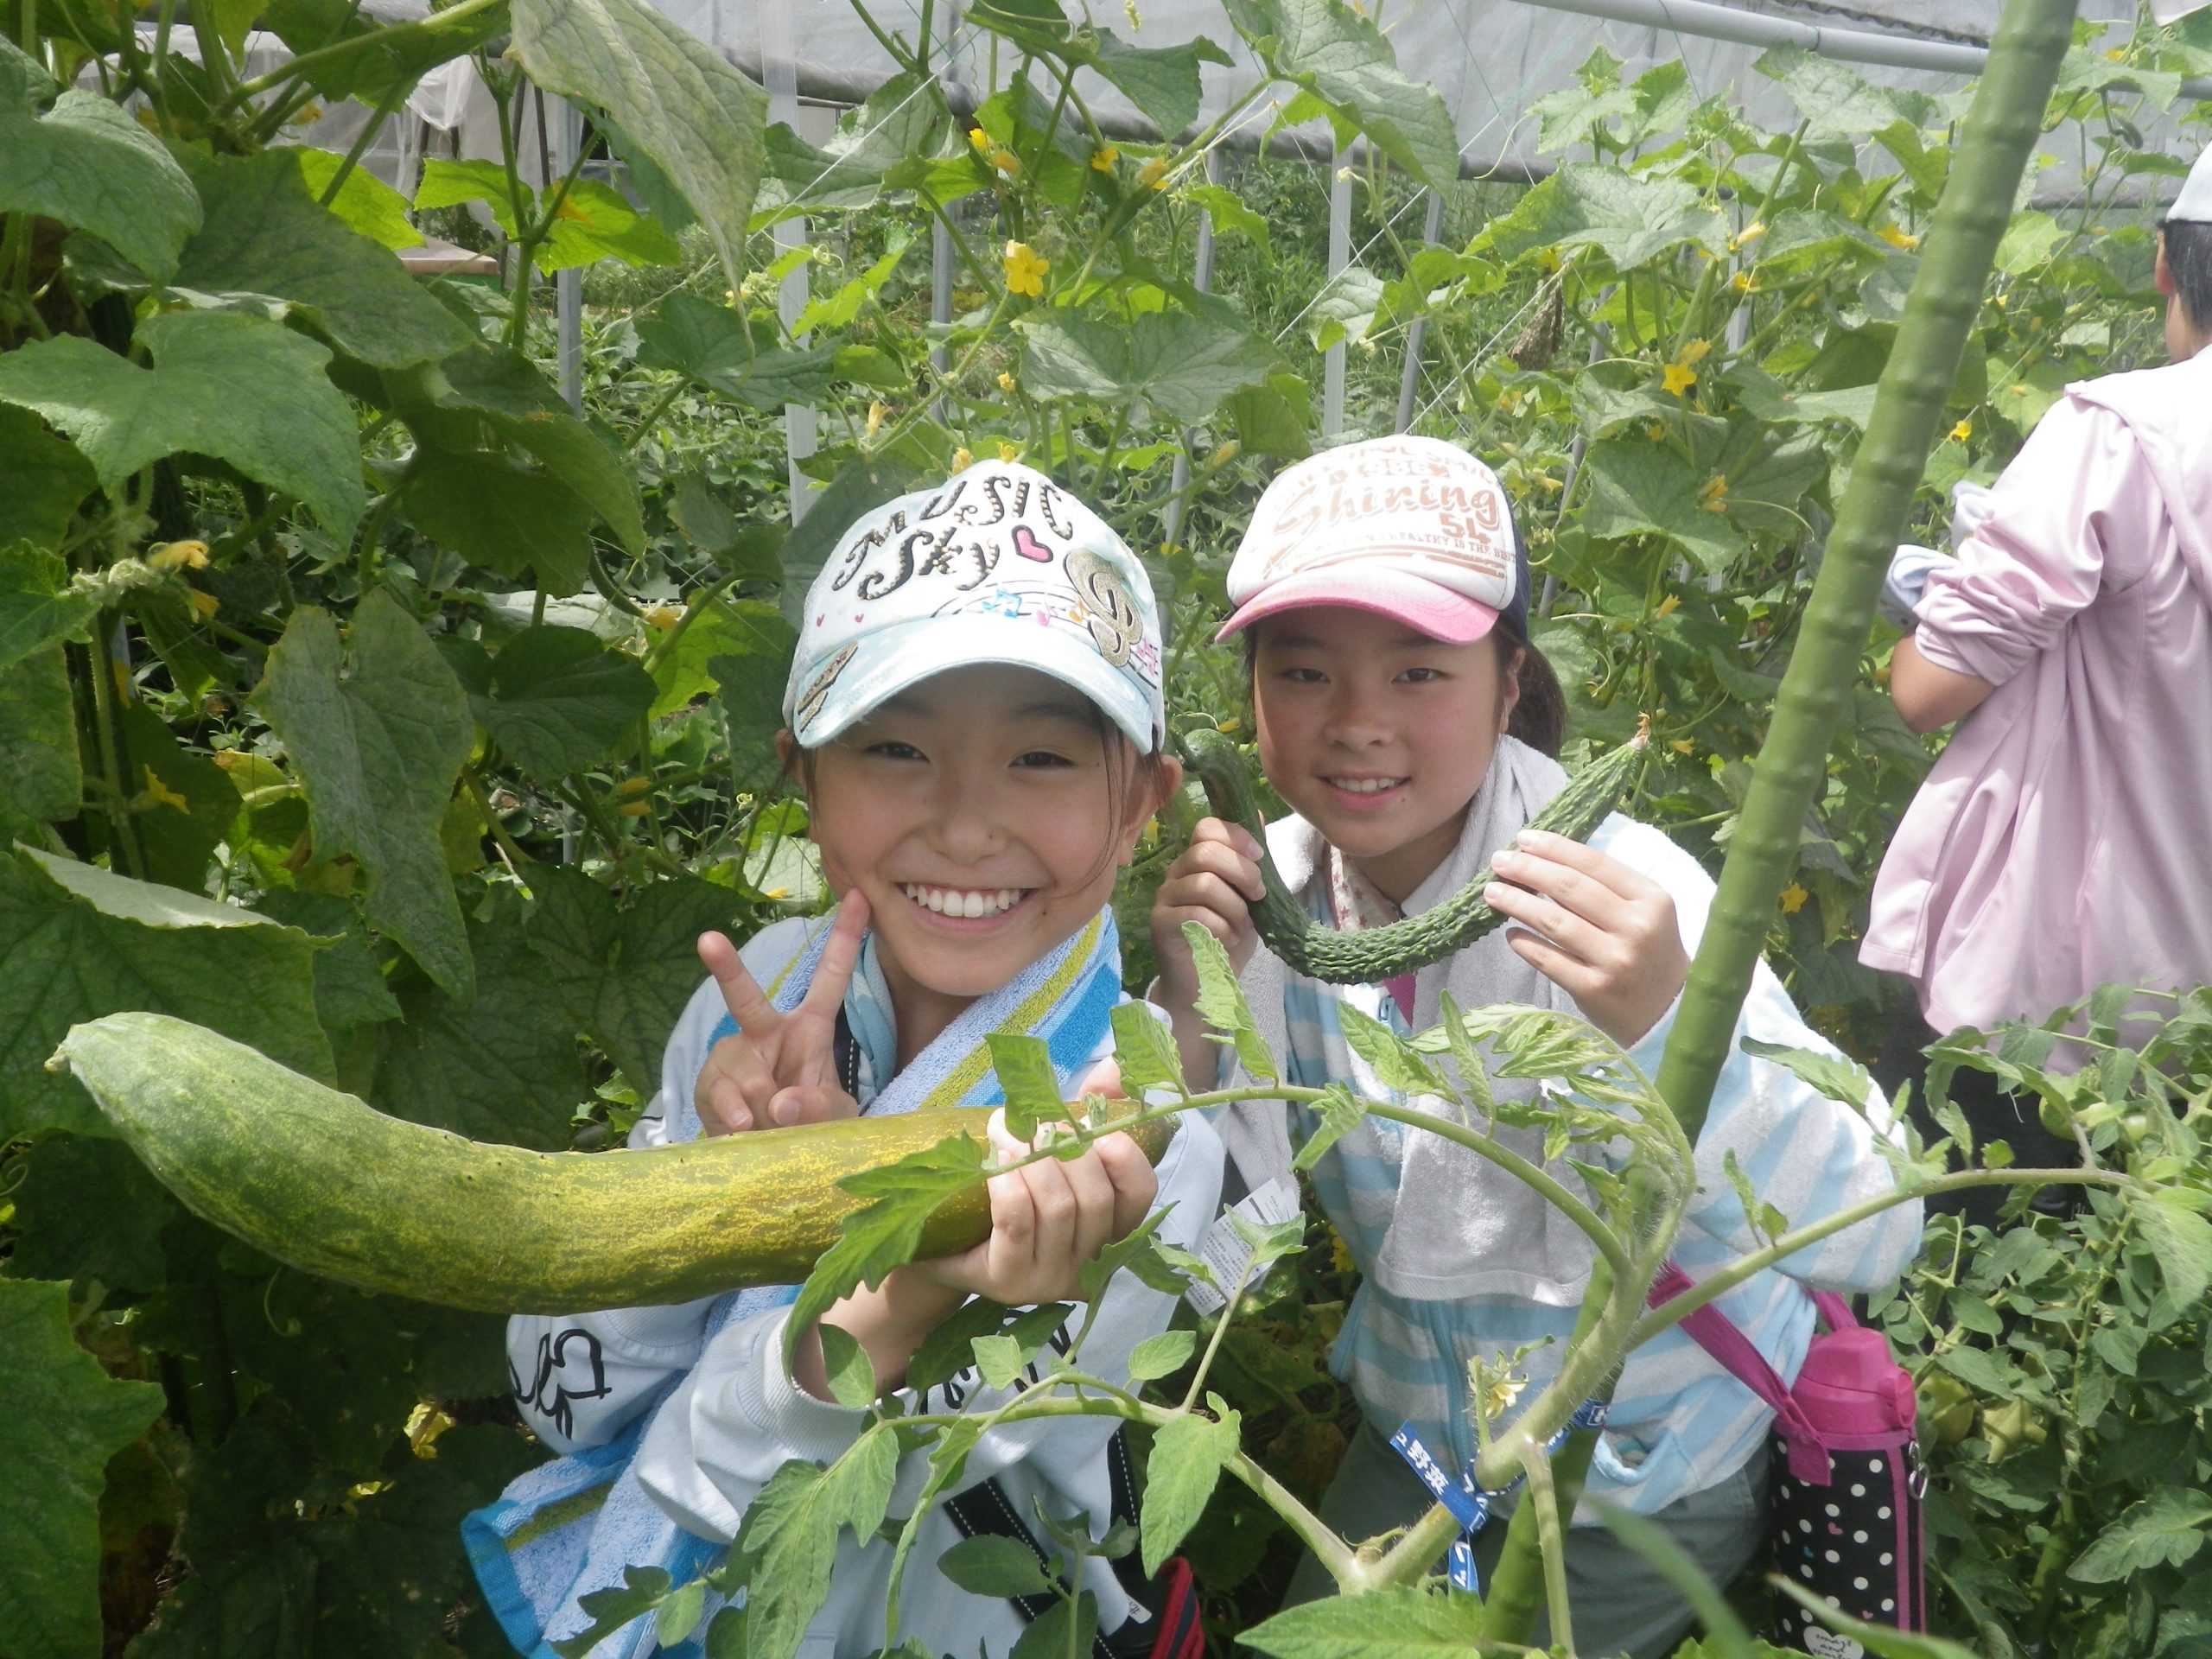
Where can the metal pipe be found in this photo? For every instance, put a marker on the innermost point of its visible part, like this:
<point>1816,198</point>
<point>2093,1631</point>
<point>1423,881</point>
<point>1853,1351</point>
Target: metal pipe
<point>1432,227</point>
<point>1178,478</point>
<point>1332,361</point>
<point>1720,23</point>
<point>566,122</point>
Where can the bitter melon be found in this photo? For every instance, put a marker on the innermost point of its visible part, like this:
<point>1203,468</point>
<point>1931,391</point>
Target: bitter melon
<point>1376,954</point>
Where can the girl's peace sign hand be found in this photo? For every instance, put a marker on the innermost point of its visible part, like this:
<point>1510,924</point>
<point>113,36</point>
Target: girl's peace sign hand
<point>780,1069</point>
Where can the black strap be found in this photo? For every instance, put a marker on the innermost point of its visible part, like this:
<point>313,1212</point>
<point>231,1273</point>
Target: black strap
<point>845,1048</point>
<point>984,1510</point>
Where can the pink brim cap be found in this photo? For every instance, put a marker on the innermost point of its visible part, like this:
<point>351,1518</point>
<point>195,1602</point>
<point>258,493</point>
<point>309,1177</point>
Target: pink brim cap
<point>1426,607</point>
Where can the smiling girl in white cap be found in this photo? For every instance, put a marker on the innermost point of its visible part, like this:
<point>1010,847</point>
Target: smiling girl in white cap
<point>1382,593</point>
<point>974,711</point>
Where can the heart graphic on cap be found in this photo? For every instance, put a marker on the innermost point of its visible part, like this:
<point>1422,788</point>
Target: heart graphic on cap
<point>1027,545</point>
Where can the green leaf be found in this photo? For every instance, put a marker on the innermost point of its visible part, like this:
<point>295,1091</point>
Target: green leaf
<point>902,125</point>
<point>1833,1075</point>
<point>743,629</point>
<point>680,1614</point>
<point>267,234</point>
<point>86,1209</point>
<point>364,202</point>
<point>523,522</point>
<point>1340,57</point>
<point>191,811</point>
<point>1837,102</point>
<point>623,972</point>
<point>446,182</point>
<point>594,222</point>
<point>42,481</point>
<point>990,1565</point>
<point>1345,309</point>
<point>1065,1627</point>
<point>1162,1354</point>
<point>1631,221</point>
<point>377,728</point>
<point>2165,1530</point>
<point>674,97</point>
<point>81,158</point>
<point>1274,418</point>
<point>845,1366</point>
<point>555,699</point>
<point>1397,1622</point>
<point>1133,1250</point>
<point>1188,1454</point>
<point>1638,488</point>
<point>1179,363</point>
<point>68,1419</point>
<point>1145,1049</point>
<point>349,984</point>
<point>1032,1087</point>
<point>449,406</point>
<point>789,1538</point>
<point>1221,1002</point>
<point>2184,1242</point>
<point>38,609</point>
<point>501,1066</point>
<point>41,775</point>
<point>1393,1060</point>
<point>643,1590</point>
<point>713,346</point>
<point>77,942</point>
<point>1229,215</point>
<point>1340,1112</point>
<point>240,389</point>
<point>837,310</point>
<point>885,1233</point>
<point>998,1360</point>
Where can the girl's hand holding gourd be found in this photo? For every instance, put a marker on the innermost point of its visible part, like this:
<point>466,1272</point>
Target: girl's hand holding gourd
<point>780,1069</point>
<point>1049,1219</point>
<point>1214,883</point>
<point>1600,931</point>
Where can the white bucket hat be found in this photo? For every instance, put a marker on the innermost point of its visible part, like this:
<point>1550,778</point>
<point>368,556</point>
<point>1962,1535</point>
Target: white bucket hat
<point>997,565</point>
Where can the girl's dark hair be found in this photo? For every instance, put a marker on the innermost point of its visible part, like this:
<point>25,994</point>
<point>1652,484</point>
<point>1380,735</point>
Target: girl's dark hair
<point>2189,255</point>
<point>1539,716</point>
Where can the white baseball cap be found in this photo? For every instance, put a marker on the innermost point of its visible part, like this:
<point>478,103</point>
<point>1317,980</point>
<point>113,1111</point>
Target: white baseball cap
<point>2194,204</point>
<point>998,564</point>
<point>1411,528</point>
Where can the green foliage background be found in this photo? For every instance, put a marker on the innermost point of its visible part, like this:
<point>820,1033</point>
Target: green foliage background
<point>362,700</point>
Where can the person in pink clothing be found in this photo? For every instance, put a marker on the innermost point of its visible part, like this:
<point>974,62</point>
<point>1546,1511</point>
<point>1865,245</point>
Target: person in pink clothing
<point>2060,842</point>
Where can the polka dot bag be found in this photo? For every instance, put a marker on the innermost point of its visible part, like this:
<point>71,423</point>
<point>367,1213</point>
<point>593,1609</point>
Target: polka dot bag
<point>1847,1518</point>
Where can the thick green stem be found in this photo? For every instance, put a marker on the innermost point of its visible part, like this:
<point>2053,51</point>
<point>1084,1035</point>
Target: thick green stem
<point>1817,689</point>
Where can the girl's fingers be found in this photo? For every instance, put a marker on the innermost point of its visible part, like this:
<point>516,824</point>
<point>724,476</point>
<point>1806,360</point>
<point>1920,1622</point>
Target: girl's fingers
<point>1601,868</point>
<point>1235,861</point>
<point>1571,974</point>
<point>1094,1208</point>
<point>722,1109</point>
<point>839,956</point>
<point>1136,1183</point>
<point>741,994</point>
<point>810,1103</point>
<point>1053,1201</point>
<point>734,1082</point>
<point>1224,833</point>
<point>1205,890</point>
<point>1585,939</point>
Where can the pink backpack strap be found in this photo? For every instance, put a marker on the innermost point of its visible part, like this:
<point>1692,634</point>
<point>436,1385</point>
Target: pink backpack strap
<point>1834,1310</point>
<point>1714,1330</point>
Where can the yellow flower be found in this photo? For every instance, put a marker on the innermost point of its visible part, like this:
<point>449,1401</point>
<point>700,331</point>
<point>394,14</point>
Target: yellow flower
<point>1696,350</point>
<point>1005,379</point>
<point>1340,1253</point>
<point>662,618</point>
<point>1744,282</point>
<point>1678,378</point>
<point>1153,174</point>
<point>1654,431</point>
<point>1009,451</point>
<point>1682,745</point>
<point>1793,899</point>
<point>1963,430</point>
<point>1752,233</point>
<point>1103,159</point>
<point>1713,498</point>
<point>205,604</point>
<point>1897,239</point>
<point>174,555</point>
<point>1025,270</point>
<point>1006,163</point>
<point>875,414</point>
<point>963,459</point>
<point>1670,605</point>
<point>980,140</point>
<point>160,794</point>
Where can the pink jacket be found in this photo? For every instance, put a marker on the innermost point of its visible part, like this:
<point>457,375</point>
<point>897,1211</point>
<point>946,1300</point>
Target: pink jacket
<point>2064,838</point>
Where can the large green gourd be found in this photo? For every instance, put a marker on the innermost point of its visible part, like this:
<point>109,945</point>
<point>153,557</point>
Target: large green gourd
<point>1379,953</point>
<point>321,1181</point>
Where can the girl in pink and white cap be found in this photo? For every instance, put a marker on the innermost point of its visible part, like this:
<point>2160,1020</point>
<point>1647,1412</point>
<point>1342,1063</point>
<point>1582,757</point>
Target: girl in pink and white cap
<point>1409,720</point>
